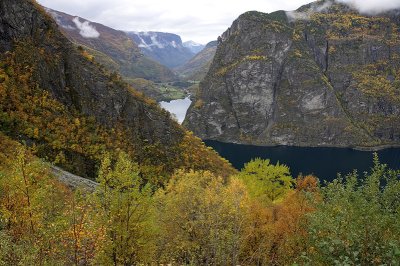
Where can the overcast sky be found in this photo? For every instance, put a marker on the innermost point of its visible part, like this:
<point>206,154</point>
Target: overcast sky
<point>201,21</point>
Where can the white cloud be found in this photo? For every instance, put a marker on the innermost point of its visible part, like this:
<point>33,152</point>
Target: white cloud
<point>154,42</point>
<point>317,7</point>
<point>85,29</point>
<point>201,21</point>
<point>372,6</point>
<point>198,20</point>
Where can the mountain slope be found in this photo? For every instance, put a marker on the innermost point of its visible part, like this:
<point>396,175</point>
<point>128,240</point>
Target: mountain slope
<point>198,66</point>
<point>324,75</point>
<point>165,48</point>
<point>113,48</point>
<point>71,111</point>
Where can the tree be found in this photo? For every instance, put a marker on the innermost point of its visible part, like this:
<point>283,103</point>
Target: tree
<point>31,208</point>
<point>277,232</point>
<point>357,221</point>
<point>266,181</point>
<point>124,204</point>
<point>201,219</point>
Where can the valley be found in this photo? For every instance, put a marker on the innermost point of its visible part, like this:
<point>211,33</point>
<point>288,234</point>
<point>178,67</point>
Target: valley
<point>152,62</point>
<point>155,141</point>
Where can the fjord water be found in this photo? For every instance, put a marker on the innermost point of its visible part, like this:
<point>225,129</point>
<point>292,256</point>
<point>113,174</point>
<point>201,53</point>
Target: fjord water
<point>177,108</point>
<point>325,163</point>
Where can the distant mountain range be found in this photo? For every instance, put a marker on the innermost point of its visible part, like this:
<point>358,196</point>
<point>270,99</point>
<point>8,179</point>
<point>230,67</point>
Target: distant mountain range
<point>194,47</point>
<point>165,48</point>
<point>138,55</point>
<point>113,48</point>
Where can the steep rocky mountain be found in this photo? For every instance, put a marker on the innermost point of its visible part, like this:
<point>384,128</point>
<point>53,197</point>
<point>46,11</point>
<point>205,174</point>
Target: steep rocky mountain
<point>70,110</point>
<point>194,47</point>
<point>198,66</point>
<point>165,48</point>
<point>113,48</point>
<point>324,75</point>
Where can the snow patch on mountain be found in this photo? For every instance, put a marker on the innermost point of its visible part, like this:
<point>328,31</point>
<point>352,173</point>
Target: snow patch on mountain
<point>194,47</point>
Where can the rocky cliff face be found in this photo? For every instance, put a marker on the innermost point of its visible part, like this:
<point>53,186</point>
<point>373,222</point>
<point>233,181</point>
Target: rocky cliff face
<point>72,79</point>
<point>323,75</point>
<point>165,48</point>
<point>112,48</point>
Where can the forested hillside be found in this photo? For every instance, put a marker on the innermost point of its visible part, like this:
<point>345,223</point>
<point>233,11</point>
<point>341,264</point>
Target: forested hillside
<point>262,216</point>
<point>70,110</point>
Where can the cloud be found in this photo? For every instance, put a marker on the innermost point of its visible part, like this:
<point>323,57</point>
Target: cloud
<point>372,7</point>
<point>317,7</point>
<point>85,29</point>
<point>200,21</point>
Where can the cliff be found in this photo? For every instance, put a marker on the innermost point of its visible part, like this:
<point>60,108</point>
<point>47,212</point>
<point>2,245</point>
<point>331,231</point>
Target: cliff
<point>323,75</point>
<point>70,110</point>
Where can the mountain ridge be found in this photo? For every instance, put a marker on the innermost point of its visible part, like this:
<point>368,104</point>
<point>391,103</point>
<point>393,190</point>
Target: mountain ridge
<point>165,48</point>
<point>276,80</point>
<point>113,48</point>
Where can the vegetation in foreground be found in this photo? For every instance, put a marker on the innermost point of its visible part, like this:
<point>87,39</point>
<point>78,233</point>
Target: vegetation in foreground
<point>261,216</point>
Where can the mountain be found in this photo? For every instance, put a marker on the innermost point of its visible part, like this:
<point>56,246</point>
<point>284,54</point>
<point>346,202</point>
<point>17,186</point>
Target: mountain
<point>323,75</point>
<point>194,47</point>
<point>165,48</point>
<point>71,111</point>
<point>113,48</point>
<point>198,66</point>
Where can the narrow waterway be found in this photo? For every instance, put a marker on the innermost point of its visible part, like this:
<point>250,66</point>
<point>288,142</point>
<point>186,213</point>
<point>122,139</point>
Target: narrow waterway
<point>177,108</point>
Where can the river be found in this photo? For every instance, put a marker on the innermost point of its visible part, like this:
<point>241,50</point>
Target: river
<point>178,108</point>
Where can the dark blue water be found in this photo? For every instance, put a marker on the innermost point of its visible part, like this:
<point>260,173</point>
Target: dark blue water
<point>325,163</point>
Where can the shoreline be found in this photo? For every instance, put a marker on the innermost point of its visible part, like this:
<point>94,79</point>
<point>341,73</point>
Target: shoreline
<point>357,148</point>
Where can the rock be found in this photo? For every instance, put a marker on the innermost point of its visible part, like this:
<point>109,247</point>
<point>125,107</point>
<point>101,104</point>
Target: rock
<point>330,78</point>
<point>73,181</point>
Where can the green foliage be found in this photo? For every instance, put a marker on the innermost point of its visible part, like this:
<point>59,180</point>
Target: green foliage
<point>124,204</point>
<point>266,181</point>
<point>379,80</point>
<point>31,212</point>
<point>197,219</point>
<point>159,92</point>
<point>357,221</point>
<point>201,220</point>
